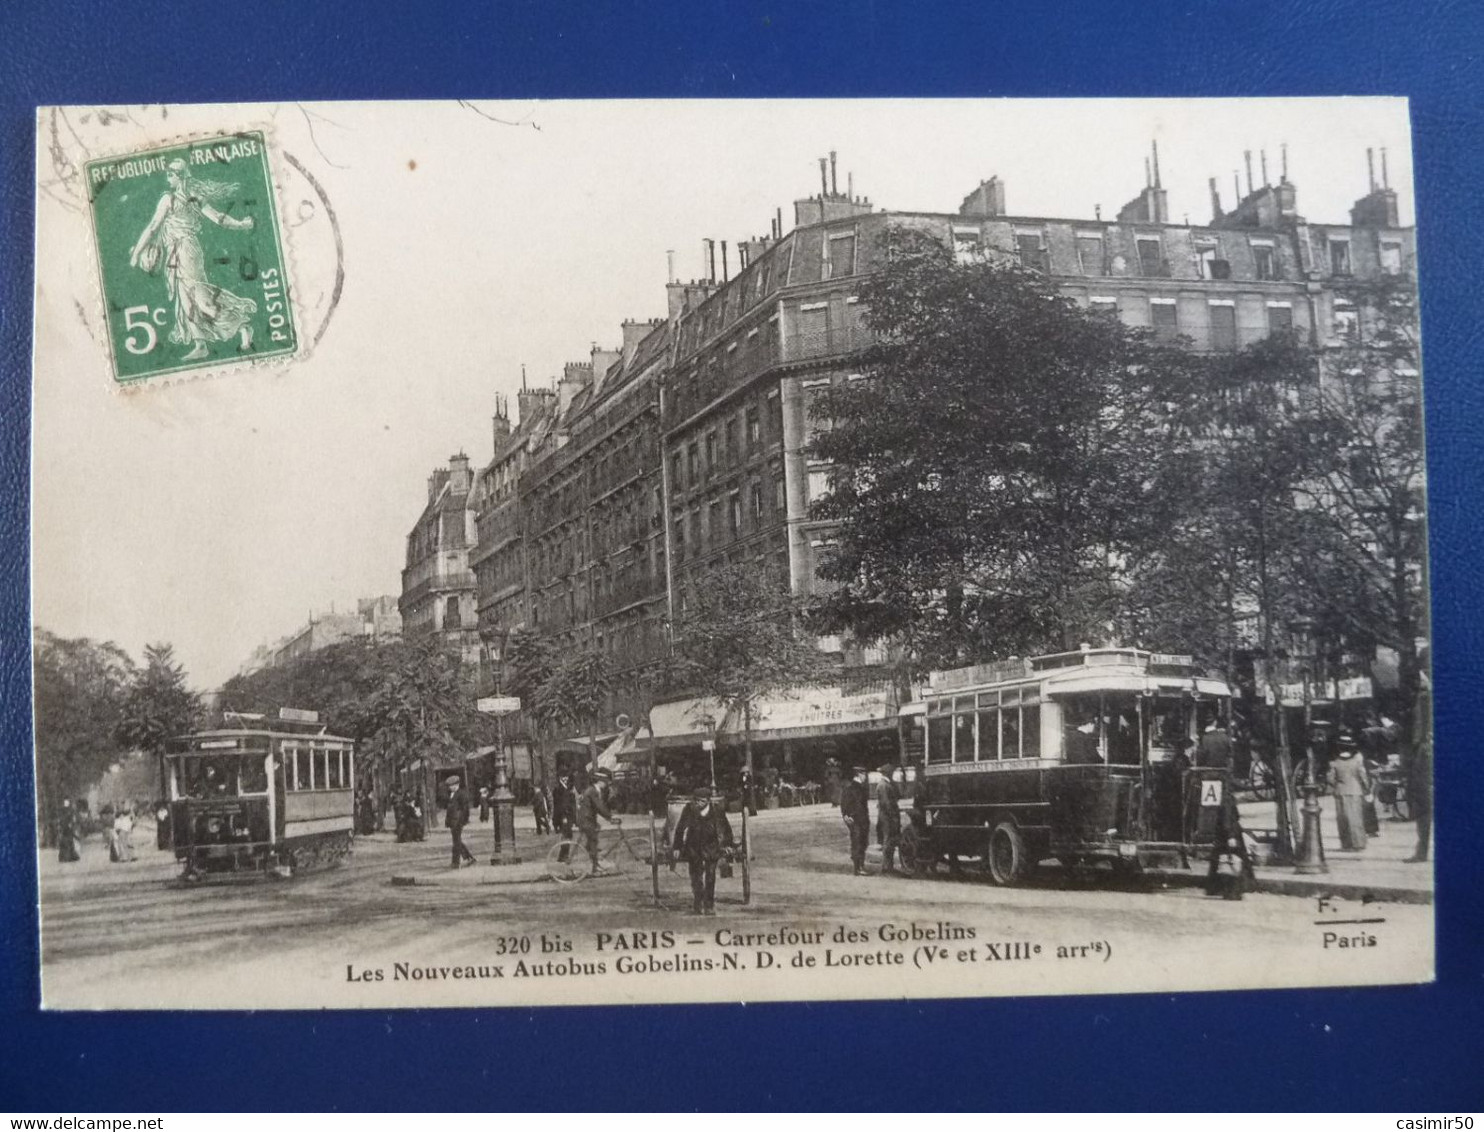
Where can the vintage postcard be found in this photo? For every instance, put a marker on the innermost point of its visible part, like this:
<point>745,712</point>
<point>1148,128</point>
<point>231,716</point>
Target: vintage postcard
<point>648,552</point>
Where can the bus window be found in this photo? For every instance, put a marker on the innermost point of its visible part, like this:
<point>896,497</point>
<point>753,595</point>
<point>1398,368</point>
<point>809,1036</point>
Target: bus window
<point>1170,726</point>
<point>252,775</point>
<point>939,735</point>
<point>1080,730</point>
<point>1030,728</point>
<point>335,779</point>
<point>963,733</point>
<point>301,771</point>
<point>1121,727</point>
<point>1010,732</point>
<point>989,726</point>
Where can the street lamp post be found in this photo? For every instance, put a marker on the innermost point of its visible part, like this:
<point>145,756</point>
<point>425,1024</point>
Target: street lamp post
<point>503,800</point>
<point>1311,846</point>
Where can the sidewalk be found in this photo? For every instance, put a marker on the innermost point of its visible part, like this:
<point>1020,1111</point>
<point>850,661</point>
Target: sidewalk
<point>1380,871</point>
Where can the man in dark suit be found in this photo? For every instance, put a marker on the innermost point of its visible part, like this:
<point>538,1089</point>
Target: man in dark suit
<point>456,817</point>
<point>564,810</point>
<point>855,809</point>
<point>702,838</point>
<point>1215,750</point>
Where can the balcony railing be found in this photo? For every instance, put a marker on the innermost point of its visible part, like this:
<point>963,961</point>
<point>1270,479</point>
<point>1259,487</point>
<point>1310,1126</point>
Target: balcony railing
<point>837,341</point>
<point>438,583</point>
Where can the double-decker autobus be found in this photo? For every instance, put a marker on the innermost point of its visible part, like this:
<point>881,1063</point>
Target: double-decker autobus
<point>1080,756</point>
<point>261,795</point>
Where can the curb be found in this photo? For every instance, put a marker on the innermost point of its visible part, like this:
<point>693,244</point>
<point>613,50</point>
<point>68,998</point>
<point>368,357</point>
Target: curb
<point>1313,886</point>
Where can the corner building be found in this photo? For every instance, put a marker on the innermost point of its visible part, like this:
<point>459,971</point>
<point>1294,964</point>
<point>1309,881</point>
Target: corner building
<point>687,447</point>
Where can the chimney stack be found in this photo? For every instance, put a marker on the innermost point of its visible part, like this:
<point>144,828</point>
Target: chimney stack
<point>670,266</point>
<point>834,183</point>
<point>1247,159</point>
<point>1370,168</point>
<point>824,179</point>
<point>1263,157</point>
<point>1215,200</point>
<point>1283,149</point>
<point>1154,150</point>
<point>1385,177</point>
<point>725,271</point>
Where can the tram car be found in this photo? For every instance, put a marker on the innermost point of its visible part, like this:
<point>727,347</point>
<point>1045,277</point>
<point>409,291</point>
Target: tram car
<point>261,795</point>
<point>1083,756</point>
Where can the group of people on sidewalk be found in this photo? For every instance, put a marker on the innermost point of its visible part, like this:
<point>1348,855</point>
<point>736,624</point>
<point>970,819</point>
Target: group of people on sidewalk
<point>119,831</point>
<point>855,810</point>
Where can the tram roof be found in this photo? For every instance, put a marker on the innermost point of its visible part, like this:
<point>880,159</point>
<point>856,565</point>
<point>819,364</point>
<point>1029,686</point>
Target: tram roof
<point>270,732</point>
<point>1163,669</point>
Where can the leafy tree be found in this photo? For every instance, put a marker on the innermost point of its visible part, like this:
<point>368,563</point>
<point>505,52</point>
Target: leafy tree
<point>1223,575</point>
<point>159,705</point>
<point>80,688</point>
<point>994,469</point>
<point>576,694</point>
<point>740,638</point>
<point>396,699</point>
<point>1364,502</point>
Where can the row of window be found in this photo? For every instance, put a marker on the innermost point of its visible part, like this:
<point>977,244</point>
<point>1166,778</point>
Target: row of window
<point>991,726</point>
<point>1164,318</point>
<point>1093,258</point>
<point>729,443</point>
<point>316,769</point>
<point>741,510</point>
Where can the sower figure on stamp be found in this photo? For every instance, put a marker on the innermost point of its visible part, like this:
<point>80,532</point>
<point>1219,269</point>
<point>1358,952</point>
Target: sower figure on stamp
<point>702,838</point>
<point>456,817</point>
<point>888,818</point>
<point>855,809</point>
<point>204,312</point>
<point>590,807</point>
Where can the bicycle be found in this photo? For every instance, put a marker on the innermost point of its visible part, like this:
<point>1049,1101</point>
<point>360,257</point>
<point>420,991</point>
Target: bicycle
<point>578,865</point>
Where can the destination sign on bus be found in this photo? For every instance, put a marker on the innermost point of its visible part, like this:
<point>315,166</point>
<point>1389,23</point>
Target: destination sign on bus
<point>297,715</point>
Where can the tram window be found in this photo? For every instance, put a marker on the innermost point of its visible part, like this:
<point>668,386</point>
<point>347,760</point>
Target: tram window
<point>252,775</point>
<point>301,771</point>
<point>214,778</point>
<point>1168,727</point>
<point>319,770</point>
<point>940,739</point>
<point>1010,733</point>
<point>1030,731</point>
<point>963,737</point>
<point>989,732</point>
<point>1122,730</point>
<point>333,780</point>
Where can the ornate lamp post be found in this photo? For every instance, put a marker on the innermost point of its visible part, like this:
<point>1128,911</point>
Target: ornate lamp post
<point>1311,844</point>
<point>503,800</point>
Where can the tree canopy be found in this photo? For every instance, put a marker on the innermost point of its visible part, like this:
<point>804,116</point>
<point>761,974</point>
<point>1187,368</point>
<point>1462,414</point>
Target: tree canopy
<point>995,463</point>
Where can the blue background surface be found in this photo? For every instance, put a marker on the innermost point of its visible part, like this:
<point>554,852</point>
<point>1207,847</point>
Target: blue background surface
<point>1414,1049</point>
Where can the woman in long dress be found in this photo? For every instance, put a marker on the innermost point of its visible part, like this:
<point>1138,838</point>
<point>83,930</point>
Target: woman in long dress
<point>67,833</point>
<point>1350,783</point>
<point>204,312</point>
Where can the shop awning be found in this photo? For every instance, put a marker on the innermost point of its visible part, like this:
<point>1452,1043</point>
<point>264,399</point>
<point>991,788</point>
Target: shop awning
<point>804,714</point>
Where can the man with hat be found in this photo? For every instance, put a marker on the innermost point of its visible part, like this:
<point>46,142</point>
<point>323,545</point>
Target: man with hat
<point>456,817</point>
<point>590,807</point>
<point>703,837</point>
<point>855,809</point>
<point>888,817</point>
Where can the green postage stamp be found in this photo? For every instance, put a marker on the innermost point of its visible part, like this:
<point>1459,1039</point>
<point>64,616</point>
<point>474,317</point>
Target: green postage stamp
<point>191,257</point>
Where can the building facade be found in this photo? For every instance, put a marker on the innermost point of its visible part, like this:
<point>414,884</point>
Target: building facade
<point>646,466</point>
<point>438,589</point>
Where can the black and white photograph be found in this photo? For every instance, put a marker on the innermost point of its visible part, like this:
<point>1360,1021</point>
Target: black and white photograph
<point>546,553</point>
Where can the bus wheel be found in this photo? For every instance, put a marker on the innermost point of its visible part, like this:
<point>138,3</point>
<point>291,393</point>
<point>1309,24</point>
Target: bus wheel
<point>1007,858</point>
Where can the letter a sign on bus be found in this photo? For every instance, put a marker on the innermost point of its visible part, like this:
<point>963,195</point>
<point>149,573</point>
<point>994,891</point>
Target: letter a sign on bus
<point>1211,792</point>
